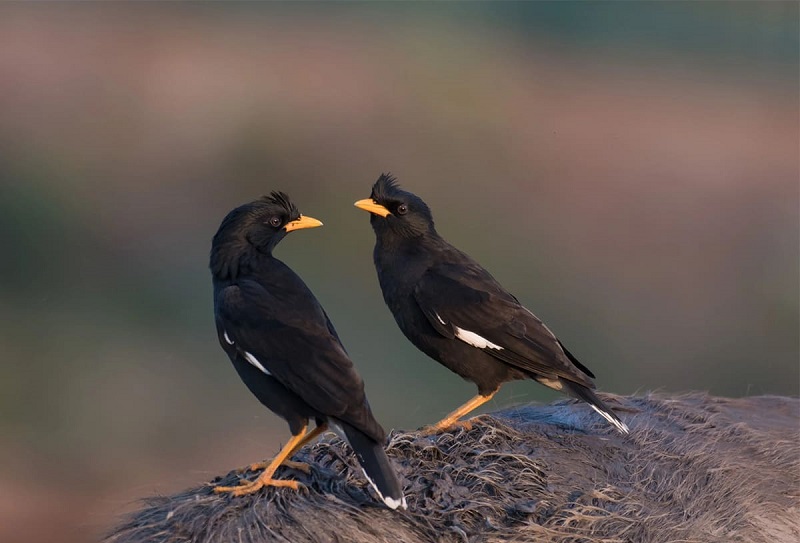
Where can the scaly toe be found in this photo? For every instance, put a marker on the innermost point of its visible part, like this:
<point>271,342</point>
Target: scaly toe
<point>289,484</point>
<point>249,487</point>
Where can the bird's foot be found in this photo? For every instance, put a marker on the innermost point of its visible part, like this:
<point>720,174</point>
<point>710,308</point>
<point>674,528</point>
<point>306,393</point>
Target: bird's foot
<point>302,466</point>
<point>248,487</point>
<point>446,426</point>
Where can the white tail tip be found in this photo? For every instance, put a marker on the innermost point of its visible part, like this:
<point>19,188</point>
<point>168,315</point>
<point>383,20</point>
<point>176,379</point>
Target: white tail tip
<point>391,503</point>
<point>621,426</point>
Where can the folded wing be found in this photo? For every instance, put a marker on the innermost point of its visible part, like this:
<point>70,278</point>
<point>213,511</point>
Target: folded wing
<point>298,348</point>
<point>469,305</point>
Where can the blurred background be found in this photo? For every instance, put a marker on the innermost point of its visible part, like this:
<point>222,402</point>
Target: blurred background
<point>629,171</point>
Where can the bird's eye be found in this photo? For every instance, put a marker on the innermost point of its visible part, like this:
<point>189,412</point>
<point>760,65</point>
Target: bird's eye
<point>402,209</point>
<point>275,222</point>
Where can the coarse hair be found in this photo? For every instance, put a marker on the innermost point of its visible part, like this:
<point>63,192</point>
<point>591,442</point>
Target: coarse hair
<point>694,469</point>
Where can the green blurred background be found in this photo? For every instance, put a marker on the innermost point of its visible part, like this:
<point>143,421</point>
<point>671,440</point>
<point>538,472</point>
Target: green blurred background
<point>629,171</point>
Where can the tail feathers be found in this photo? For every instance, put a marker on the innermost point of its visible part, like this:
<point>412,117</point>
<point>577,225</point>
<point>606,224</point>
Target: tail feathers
<point>586,394</point>
<point>376,466</point>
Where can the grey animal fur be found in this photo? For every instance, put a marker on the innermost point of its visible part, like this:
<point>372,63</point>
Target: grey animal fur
<point>694,469</point>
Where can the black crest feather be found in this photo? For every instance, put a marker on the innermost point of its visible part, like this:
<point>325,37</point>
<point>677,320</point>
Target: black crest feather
<point>385,187</point>
<point>282,199</point>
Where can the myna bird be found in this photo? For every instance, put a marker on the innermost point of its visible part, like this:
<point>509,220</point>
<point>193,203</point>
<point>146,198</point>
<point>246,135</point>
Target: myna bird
<point>285,348</point>
<point>454,311</point>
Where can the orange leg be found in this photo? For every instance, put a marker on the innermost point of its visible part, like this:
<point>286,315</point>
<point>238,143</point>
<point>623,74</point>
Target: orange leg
<point>302,466</point>
<point>451,420</point>
<point>308,438</point>
<point>265,479</point>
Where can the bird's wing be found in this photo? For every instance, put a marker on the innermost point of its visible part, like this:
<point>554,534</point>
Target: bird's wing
<point>294,343</point>
<point>466,304</point>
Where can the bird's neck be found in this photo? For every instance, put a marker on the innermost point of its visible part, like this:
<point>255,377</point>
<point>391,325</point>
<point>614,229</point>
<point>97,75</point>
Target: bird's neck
<point>409,244</point>
<point>233,259</point>
<point>404,258</point>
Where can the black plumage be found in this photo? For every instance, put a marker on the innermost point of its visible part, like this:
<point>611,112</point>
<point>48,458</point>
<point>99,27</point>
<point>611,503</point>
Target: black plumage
<point>458,314</point>
<point>285,348</point>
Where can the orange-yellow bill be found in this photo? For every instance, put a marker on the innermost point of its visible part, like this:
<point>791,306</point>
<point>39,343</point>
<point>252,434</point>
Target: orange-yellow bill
<point>302,222</point>
<point>368,204</point>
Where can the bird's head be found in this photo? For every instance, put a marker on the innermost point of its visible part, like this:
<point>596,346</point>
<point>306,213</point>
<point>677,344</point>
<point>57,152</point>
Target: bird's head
<point>394,211</point>
<point>254,228</point>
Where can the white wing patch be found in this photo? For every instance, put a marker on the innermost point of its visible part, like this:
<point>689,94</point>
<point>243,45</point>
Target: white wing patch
<point>229,340</point>
<point>254,361</point>
<point>474,339</point>
<point>440,318</point>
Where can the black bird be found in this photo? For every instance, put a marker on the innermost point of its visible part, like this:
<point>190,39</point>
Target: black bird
<point>454,311</point>
<point>285,348</point>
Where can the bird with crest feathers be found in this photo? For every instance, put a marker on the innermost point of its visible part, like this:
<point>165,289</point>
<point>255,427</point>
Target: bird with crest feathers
<point>454,311</point>
<point>285,348</point>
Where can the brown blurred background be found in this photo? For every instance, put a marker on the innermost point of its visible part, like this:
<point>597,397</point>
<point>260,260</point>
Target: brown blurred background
<point>629,171</point>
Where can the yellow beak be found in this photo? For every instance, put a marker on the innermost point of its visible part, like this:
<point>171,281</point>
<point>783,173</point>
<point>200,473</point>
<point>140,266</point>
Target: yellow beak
<point>302,222</point>
<point>368,204</point>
